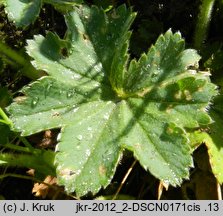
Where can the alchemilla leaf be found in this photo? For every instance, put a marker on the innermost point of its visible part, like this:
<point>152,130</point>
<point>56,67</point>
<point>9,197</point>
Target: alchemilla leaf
<point>104,103</point>
<point>23,12</point>
<point>213,139</point>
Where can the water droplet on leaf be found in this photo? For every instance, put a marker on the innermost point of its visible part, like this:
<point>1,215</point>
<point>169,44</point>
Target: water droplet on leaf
<point>57,148</point>
<point>88,152</point>
<point>89,129</point>
<point>79,137</point>
<point>166,181</point>
<point>76,76</point>
<point>75,109</point>
<point>106,116</point>
<point>34,102</point>
<point>58,137</point>
<point>70,93</point>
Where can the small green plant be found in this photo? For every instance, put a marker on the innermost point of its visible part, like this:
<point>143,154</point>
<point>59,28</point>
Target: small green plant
<point>105,103</point>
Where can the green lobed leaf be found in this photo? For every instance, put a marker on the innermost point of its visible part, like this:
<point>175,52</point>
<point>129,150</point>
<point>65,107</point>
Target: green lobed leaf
<point>104,104</point>
<point>213,139</point>
<point>215,146</point>
<point>23,12</point>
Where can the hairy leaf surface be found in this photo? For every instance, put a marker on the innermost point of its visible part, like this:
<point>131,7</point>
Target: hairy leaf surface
<point>104,102</point>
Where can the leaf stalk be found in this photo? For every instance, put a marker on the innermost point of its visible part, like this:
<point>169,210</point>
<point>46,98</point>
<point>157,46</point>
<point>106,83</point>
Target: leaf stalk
<point>37,162</point>
<point>203,22</point>
<point>17,60</point>
<point>5,119</point>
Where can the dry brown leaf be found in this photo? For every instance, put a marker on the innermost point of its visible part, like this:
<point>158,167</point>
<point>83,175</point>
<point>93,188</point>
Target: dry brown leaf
<point>161,186</point>
<point>43,189</point>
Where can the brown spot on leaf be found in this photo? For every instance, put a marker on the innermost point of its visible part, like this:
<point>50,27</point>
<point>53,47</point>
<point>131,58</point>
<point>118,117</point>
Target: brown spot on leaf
<point>85,37</point>
<point>158,54</point>
<point>169,108</point>
<point>137,146</point>
<point>56,114</point>
<point>64,52</point>
<point>102,170</point>
<point>20,99</point>
<point>178,95</point>
<point>66,172</point>
<point>43,189</point>
<point>187,95</point>
<point>200,89</point>
<point>169,130</point>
